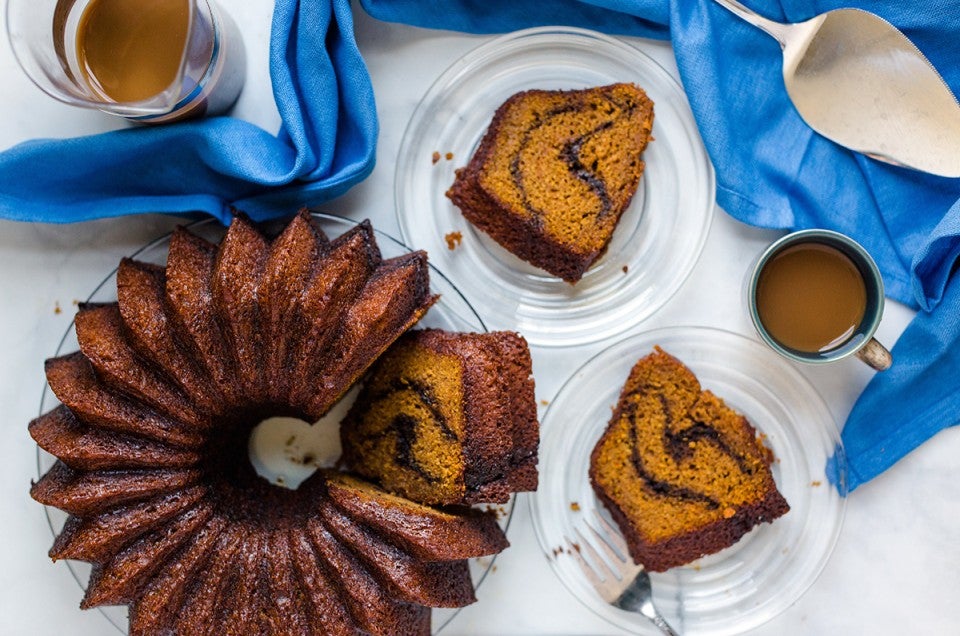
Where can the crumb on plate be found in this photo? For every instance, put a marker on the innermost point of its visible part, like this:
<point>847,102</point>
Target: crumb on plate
<point>453,239</point>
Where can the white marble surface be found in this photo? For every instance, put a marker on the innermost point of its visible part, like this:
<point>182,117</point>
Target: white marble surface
<point>896,568</point>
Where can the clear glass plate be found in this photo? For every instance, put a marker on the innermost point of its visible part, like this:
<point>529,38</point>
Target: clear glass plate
<point>660,235</point>
<point>452,312</point>
<point>768,569</point>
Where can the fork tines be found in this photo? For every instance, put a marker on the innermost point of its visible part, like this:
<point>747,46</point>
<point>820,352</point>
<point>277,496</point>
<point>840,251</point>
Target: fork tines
<point>611,571</point>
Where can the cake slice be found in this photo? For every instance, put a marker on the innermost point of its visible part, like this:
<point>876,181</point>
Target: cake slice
<point>555,171</point>
<point>682,474</point>
<point>447,418</point>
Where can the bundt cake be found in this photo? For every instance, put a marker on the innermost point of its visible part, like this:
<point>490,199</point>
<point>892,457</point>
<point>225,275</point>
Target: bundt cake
<point>682,474</point>
<point>447,418</point>
<point>555,171</point>
<point>152,431</point>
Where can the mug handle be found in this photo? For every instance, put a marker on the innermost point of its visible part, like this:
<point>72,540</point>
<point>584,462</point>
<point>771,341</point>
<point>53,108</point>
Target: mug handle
<point>876,355</point>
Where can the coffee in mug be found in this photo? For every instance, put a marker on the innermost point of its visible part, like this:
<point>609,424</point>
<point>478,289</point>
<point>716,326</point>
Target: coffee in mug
<point>817,296</point>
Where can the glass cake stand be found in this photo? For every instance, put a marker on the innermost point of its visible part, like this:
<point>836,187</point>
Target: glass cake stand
<point>769,568</point>
<point>658,240</point>
<point>452,312</point>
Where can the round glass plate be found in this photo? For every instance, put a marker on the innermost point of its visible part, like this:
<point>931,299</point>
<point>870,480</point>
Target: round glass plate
<point>452,312</point>
<point>658,240</point>
<point>769,568</point>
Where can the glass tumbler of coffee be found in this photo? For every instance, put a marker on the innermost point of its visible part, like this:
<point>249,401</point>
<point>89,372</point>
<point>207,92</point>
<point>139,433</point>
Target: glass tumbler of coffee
<point>817,296</point>
<point>153,62</point>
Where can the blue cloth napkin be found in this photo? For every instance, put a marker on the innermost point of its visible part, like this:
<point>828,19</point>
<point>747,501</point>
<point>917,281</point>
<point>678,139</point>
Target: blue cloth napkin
<point>326,143</point>
<point>774,171</point>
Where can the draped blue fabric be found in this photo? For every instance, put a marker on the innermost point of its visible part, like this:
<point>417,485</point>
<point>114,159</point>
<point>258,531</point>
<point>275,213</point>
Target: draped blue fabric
<point>326,142</point>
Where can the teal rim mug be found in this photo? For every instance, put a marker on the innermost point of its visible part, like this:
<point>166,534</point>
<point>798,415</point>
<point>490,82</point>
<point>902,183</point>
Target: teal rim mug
<point>860,341</point>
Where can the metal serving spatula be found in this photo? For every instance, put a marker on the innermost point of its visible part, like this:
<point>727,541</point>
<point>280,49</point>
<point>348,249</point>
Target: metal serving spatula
<point>857,80</point>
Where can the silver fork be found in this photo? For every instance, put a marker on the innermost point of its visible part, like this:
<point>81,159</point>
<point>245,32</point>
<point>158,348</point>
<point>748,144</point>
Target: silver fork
<point>617,579</point>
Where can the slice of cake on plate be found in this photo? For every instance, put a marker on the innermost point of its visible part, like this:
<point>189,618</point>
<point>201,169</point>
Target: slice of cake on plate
<point>682,474</point>
<point>555,171</point>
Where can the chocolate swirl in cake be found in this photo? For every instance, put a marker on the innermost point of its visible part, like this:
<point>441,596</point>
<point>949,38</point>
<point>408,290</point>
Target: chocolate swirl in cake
<point>569,152</point>
<point>660,487</point>
<point>405,428</point>
<point>679,444</point>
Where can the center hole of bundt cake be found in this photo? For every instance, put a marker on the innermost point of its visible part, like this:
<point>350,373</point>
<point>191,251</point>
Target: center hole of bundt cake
<point>286,450</point>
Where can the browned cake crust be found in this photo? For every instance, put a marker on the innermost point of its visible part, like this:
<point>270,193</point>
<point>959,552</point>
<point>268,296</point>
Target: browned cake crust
<point>428,533</point>
<point>682,474</point>
<point>447,418</point>
<point>151,437</point>
<point>554,173</point>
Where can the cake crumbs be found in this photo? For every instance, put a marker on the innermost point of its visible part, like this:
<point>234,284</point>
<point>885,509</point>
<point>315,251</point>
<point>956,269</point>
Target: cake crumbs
<point>815,483</point>
<point>497,511</point>
<point>557,552</point>
<point>493,568</point>
<point>448,156</point>
<point>453,239</point>
<point>574,506</point>
<point>75,302</point>
<point>56,307</point>
<point>544,402</point>
<point>728,512</point>
<point>576,546</point>
<point>435,158</point>
<point>625,269</point>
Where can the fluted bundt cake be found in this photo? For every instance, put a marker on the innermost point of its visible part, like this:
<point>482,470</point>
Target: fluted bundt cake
<point>151,439</point>
<point>447,418</point>
<point>555,171</point>
<point>682,474</point>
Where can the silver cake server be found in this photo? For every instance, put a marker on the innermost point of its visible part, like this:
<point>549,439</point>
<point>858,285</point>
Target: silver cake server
<point>857,80</point>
